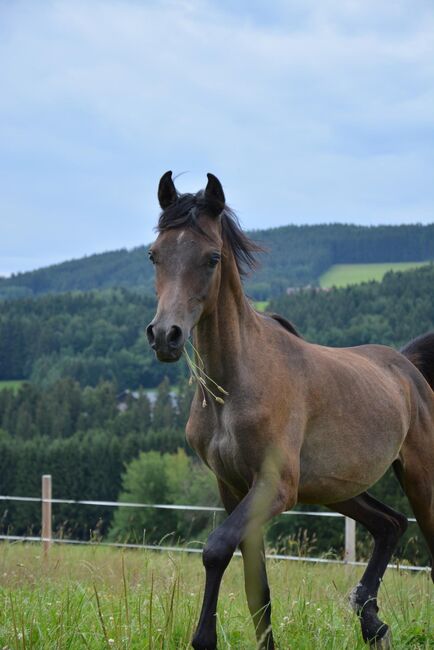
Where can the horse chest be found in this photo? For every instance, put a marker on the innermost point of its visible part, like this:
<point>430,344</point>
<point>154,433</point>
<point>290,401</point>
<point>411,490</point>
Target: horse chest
<point>221,448</point>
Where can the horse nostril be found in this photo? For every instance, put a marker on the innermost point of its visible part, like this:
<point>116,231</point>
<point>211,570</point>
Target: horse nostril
<point>150,334</point>
<point>174,337</point>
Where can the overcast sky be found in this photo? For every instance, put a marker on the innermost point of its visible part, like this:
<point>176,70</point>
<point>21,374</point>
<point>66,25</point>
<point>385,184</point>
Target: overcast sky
<point>309,111</point>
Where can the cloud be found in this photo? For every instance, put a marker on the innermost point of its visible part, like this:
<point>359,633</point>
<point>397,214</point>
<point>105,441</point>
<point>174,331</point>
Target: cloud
<point>308,111</point>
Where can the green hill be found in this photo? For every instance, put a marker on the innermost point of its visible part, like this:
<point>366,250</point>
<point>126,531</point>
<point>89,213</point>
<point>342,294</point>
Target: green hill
<point>296,256</point>
<point>342,275</point>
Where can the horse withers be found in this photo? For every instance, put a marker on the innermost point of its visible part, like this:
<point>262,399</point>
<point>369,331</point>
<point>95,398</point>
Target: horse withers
<point>286,421</point>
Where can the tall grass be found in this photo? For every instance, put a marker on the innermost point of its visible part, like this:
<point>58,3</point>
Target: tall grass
<point>98,597</point>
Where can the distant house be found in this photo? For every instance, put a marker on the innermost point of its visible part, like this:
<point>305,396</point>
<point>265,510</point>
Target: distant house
<point>125,398</point>
<point>290,291</point>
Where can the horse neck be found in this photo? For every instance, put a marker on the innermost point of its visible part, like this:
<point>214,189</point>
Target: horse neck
<point>221,336</point>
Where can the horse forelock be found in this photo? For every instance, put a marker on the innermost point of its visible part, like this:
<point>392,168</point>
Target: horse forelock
<point>184,213</point>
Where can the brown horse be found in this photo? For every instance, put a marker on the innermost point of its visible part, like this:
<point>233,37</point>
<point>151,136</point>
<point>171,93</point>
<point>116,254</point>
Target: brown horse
<point>300,423</point>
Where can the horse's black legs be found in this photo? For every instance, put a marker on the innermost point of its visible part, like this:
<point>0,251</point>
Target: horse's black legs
<point>386,526</point>
<point>246,519</point>
<point>257,589</point>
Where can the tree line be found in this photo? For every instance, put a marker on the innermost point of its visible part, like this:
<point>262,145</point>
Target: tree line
<point>294,256</point>
<point>85,437</point>
<point>88,337</point>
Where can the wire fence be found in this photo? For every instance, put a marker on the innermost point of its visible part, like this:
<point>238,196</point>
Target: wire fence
<point>47,538</point>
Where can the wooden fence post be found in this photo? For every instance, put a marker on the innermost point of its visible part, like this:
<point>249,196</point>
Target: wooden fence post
<point>350,540</point>
<point>46,513</point>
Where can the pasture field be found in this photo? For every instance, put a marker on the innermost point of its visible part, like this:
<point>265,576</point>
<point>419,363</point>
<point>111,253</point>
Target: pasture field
<point>13,384</point>
<point>341,275</point>
<point>260,305</point>
<point>99,597</point>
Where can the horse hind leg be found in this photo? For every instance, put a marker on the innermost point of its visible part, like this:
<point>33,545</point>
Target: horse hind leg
<point>386,526</point>
<point>415,471</point>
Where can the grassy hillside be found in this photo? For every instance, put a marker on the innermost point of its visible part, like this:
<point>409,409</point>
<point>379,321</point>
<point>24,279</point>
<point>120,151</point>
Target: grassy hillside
<point>295,256</point>
<point>342,275</point>
<point>13,385</point>
<point>103,598</point>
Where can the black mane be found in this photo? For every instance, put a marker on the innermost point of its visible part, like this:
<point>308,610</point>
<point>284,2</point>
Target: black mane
<point>286,324</point>
<point>185,211</point>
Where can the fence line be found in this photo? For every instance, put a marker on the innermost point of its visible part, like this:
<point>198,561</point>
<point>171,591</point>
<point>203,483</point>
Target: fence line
<point>163,506</point>
<point>47,537</point>
<point>186,549</point>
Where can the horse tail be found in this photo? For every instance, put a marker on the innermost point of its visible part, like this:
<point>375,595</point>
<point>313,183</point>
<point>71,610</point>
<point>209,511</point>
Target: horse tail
<point>420,352</point>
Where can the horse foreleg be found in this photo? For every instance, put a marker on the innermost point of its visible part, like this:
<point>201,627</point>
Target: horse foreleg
<point>386,526</point>
<point>257,589</point>
<point>247,518</point>
<point>255,576</point>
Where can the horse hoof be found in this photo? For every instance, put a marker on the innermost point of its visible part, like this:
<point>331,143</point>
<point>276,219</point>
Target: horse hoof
<point>385,643</point>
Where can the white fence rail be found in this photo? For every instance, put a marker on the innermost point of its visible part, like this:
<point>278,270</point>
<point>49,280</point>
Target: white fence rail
<point>47,538</point>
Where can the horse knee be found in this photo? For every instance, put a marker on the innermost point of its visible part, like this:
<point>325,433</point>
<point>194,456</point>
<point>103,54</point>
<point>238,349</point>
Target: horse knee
<point>390,530</point>
<point>217,552</point>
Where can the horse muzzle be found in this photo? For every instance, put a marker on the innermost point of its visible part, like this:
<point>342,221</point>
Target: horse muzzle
<point>167,342</point>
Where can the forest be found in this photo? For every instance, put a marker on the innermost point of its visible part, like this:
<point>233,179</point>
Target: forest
<point>293,256</point>
<point>82,437</point>
<point>99,335</point>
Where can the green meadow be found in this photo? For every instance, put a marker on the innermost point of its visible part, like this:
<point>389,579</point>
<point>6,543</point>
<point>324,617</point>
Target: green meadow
<point>261,305</point>
<point>341,275</point>
<point>99,597</point>
<point>11,385</point>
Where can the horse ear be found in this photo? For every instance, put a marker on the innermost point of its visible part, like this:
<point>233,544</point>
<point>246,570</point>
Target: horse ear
<point>214,190</point>
<point>167,193</point>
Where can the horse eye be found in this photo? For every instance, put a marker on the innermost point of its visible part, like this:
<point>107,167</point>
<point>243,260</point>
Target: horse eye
<point>151,257</point>
<point>214,260</point>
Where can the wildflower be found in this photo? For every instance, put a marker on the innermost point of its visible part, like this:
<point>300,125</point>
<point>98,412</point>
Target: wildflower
<point>198,374</point>
<point>111,641</point>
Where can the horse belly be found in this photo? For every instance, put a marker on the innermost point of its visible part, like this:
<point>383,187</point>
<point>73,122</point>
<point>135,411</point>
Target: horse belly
<point>338,465</point>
